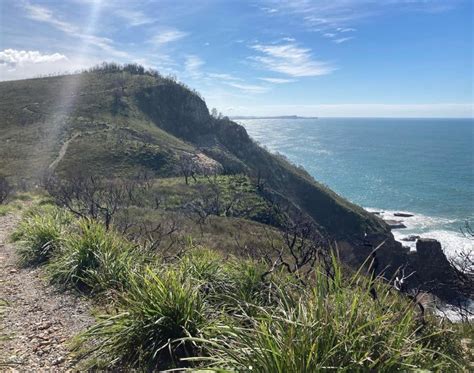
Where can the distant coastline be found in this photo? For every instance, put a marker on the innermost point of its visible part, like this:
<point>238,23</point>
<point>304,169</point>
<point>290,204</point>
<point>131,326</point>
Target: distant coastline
<point>273,117</point>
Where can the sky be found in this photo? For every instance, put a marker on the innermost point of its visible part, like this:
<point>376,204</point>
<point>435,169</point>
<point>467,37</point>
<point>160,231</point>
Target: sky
<point>364,58</point>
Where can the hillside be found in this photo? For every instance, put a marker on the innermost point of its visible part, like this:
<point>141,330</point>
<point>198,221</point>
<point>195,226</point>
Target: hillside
<point>118,122</point>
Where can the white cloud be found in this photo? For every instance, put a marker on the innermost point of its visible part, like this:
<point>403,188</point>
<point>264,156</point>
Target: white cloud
<point>329,34</point>
<point>277,80</point>
<point>343,40</point>
<point>223,76</point>
<point>192,66</point>
<point>345,29</point>
<point>134,17</point>
<point>168,36</point>
<point>291,60</point>
<point>18,64</point>
<point>42,14</point>
<point>13,57</point>
<point>45,15</point>
<point>249,88</point>
<point>269,10</point>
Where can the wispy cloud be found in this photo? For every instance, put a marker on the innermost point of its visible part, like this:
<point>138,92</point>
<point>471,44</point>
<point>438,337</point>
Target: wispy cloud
<point>339,16</point>
<point>343,40</point>
<point>224,77</point>
<point>346,29</point>
<point>134,17</point>
<point>277,80</point>
<point>168,36</point>
<point>249,88</point>
<point>290,59</point>
<point>192,66</point>
<point>45,15</point>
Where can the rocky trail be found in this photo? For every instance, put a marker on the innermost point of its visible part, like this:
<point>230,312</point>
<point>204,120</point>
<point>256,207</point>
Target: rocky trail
<point>39,321</point>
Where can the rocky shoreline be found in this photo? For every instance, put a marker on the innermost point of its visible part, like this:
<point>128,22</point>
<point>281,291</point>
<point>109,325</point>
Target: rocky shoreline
<point>428,263</point>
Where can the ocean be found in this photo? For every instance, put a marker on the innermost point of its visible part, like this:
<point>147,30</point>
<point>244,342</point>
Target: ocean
<point>420,166</point>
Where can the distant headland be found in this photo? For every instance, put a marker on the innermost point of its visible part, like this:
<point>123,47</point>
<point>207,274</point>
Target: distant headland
<point>273,117</point>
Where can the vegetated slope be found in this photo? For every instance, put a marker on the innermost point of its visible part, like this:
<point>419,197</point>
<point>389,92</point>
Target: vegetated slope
<point>118,123</point>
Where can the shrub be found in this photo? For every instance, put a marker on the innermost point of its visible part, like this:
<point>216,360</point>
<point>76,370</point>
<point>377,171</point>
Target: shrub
<point>332,326</point>
<point>93,259</point>
<point>157,311</point>
<point>40,233</point>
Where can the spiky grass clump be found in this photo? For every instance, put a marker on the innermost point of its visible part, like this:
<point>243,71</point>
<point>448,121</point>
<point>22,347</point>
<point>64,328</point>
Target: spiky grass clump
<point>332,326</point>
<point>206,267</point>
<point>93,259</point>
<point>227,282</point>
<point>157,311</point>
<point>40,233</point>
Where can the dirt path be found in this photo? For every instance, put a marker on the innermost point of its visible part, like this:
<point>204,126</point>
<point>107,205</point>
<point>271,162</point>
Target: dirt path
<point>39,320</point>
<point>62,152</point>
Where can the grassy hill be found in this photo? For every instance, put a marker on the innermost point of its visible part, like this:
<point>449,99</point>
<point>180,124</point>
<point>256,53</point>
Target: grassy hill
<point>118,123</point>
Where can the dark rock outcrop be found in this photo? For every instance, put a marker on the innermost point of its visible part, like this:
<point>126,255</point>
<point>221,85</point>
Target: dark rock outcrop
<point>433,271</point>
<point>403,215</point>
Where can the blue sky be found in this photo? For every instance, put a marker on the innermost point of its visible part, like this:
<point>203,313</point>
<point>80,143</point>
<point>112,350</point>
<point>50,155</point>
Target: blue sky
<point>325,58</point>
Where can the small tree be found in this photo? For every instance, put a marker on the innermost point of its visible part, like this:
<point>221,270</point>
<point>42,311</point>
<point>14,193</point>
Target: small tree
<point>5,189</point>
<point>187,167</point>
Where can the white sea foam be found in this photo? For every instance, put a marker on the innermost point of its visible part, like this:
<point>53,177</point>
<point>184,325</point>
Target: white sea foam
<point>452,241</point>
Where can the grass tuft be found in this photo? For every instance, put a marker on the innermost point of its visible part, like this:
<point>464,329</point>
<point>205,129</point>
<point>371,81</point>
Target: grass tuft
<point>93,259</point>
<point>40,233</point>
<point>154,315</point>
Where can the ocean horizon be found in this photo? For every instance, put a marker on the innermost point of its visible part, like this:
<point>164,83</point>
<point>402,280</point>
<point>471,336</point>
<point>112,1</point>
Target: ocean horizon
<point>420,166</point>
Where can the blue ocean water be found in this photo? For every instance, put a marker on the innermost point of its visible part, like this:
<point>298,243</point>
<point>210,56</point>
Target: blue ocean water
<point>422,166</point>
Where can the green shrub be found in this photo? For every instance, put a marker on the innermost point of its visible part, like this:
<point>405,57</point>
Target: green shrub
<point>39,234</point>
<point>93,259</point>
<point>332,326</point>
<point>156,312</point>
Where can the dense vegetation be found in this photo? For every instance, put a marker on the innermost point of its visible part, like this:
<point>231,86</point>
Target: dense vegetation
<point>201,309</point>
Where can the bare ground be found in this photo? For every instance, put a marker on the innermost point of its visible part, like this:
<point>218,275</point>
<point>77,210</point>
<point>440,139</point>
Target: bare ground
<point>39,320</point>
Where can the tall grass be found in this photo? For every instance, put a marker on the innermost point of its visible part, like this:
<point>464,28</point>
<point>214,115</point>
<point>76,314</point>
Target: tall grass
<point>39,234</point>
<point>93,259</point>
<point>332,326</point>
<point>205,310</point>
<point>158,310</point>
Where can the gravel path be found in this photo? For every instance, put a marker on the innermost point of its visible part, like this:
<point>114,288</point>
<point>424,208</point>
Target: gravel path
<point>39,320</point>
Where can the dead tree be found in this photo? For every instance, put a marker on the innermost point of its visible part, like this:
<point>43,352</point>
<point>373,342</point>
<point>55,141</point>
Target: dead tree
<point>299,247</point>
<point>5,189</point>
<point>187,167</point>
<point>92,196</point>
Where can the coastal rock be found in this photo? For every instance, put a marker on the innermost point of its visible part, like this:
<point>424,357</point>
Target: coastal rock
<point>395,224</point>
<point>403,215</point>
<point>433,271</point>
